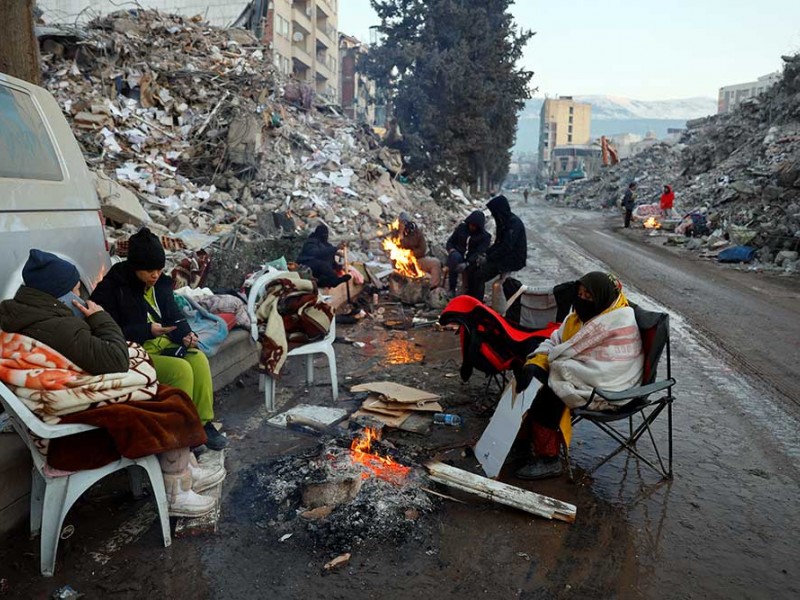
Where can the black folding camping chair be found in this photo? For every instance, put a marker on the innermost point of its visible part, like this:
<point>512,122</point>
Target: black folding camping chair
<point>654,328</point>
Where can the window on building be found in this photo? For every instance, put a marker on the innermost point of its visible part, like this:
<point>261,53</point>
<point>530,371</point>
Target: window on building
<point>572,110</point>
<point>570,129</point>
<point>569,138</point>
<point>282,27</point>
<point>570,119</point>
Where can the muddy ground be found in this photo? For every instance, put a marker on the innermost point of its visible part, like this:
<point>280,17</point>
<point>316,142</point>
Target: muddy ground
<point>725,527</point>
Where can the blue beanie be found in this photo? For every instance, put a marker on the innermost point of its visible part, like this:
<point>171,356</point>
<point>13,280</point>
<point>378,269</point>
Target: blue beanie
<point>49,274</point>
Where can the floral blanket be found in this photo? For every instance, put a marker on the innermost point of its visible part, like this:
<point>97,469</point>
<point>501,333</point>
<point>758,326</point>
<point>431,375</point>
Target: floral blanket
<point>136,416</point>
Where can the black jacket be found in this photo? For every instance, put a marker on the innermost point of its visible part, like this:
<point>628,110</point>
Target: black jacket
<point>121,294</point>
<point>470,246</point>
<point>95,344</point>
<point>510,249</point>
<point>629,199</point>
<point>318,248</point>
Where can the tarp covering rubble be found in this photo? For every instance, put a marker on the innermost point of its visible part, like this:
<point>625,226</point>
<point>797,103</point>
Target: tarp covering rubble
<point>741,170</point>
<point>188,128</point>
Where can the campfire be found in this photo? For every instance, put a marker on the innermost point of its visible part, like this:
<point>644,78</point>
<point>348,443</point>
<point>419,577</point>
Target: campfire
<point>652,223</point>
<point>404,261</point>
<point>382,467</point>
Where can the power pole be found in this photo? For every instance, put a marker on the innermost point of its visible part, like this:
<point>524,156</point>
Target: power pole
<point>19,50</point>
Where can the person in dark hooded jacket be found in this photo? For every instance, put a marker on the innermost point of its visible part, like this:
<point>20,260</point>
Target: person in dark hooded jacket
<point>320,256</point>
<point>508,253</point>
<point>469,241</point>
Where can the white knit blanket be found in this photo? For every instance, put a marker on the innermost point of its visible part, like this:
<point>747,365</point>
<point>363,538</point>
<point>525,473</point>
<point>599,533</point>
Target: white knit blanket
<point>606,353</point>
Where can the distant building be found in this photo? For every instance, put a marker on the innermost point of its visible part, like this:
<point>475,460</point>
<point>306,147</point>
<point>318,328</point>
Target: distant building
<point>563,122</point>
<point>731,95</point>
<point>574,161</point>
<point>357,92</point>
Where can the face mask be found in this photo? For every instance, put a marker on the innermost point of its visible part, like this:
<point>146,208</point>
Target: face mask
<point>585,309</point>
<point>67,299</point>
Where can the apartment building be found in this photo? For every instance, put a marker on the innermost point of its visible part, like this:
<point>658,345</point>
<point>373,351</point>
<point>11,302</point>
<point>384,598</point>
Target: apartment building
<point>357,91</point>
<point>563,122</point>
<point>305,42</point>
<point>731,95</point>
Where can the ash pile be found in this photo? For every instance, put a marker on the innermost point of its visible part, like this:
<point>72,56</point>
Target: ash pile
<point>189,129</point>
<point>334,501</point>
<point>740,170</point>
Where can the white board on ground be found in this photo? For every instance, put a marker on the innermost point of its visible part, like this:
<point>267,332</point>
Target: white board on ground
<point>495,443</point>
<point>324,415</point>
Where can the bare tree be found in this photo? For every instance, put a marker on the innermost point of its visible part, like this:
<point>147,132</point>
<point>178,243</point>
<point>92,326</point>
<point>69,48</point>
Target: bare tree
<point>19,50</point>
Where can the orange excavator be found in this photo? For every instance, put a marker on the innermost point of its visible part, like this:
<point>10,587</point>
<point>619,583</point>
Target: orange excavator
<point>610,154</point>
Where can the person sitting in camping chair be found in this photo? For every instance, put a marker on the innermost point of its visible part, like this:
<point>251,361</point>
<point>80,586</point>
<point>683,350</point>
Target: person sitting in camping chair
<point>597,346</point>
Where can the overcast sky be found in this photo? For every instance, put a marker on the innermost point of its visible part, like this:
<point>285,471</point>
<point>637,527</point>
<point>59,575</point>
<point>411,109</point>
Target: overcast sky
<point>642,49</point>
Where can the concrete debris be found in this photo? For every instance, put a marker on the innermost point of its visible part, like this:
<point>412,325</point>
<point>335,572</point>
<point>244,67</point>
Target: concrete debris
<point>740,170</point>
<point>197,125</point>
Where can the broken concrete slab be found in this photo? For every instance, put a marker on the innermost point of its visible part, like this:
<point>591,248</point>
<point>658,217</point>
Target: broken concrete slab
<point>118,203</point>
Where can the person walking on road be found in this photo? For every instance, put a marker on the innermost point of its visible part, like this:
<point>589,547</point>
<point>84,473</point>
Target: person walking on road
<point>628,202</point>
<point>525,194</point>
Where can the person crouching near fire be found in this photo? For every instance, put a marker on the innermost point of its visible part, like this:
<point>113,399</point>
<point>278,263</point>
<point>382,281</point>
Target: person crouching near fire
<point>597,346</point>
<point>412,238</point>
<point>47,308</point>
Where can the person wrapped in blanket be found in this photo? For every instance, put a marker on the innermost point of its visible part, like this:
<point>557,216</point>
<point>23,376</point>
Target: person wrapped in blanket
<point>139,297</point>
<point>319,255</point>
<point>597,346</point>
<point>48,309</point>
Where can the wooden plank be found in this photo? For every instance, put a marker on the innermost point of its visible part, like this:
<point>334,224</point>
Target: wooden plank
<point>501,493</point>
<point>495,443</point>
<point>396,392</point>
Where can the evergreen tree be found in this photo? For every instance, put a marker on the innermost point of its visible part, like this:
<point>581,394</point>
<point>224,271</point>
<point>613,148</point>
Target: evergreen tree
<point>449,67</point>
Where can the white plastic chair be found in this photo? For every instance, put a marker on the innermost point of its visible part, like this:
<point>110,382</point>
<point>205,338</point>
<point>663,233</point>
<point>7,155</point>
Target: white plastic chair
<point>324,346</point>
<point>52,497</point>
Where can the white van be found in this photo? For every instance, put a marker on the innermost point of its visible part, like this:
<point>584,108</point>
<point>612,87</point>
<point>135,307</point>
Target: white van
<point>47,201</point>
<point>47,198</point>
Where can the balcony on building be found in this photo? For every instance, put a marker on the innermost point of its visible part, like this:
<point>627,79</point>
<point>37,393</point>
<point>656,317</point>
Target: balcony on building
<point>301,42</point>
<point>326,31</point>
<point>301,71</point>
<point>303,13</point>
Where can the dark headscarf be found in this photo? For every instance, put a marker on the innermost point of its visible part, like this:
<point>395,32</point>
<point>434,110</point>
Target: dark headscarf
<point>321,233</point>
<point>605,289</point>
<point>476,218</point>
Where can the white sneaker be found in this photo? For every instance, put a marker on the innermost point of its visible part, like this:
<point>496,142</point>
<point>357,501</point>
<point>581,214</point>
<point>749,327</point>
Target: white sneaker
<point>204,478</point>
<point>183,502</point>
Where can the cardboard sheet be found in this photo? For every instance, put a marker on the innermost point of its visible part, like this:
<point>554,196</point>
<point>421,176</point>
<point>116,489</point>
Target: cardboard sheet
<point>385,419</point>
<point>396,392</point>
<point>495,443</point>
<point>377,403</point>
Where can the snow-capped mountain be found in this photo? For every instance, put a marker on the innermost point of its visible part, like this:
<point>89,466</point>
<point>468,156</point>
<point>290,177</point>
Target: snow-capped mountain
<point>613,115</point>
<point>614,107</point>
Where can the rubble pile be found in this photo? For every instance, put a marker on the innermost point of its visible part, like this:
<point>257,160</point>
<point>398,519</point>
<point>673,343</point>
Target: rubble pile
<point>188,128</point>
<point>741,170</point>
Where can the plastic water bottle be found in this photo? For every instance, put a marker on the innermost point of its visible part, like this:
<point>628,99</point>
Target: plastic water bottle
<point>446,419</point>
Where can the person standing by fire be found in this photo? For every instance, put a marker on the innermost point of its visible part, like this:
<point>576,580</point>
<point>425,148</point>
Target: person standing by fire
<point>412,238</point>
<point>468,241</point>
<point>667,201</point>
<point>628,202</point>
<point>509,252</point>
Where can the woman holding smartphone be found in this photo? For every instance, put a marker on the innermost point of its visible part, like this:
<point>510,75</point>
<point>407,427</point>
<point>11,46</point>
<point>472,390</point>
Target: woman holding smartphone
<point>139,297</point>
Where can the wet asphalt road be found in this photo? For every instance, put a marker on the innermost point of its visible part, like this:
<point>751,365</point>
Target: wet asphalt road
<point>727,525</point>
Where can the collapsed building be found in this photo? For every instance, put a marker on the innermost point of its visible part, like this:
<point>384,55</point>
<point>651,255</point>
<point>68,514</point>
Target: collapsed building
<point>741,170</point>
<point>190,130</point>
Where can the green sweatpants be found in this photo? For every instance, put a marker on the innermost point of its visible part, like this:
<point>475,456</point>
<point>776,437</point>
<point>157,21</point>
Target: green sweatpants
<point>191,374</point>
